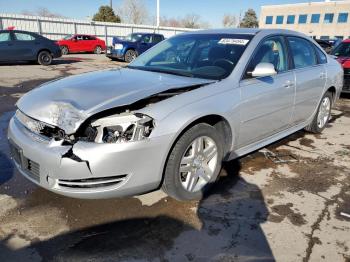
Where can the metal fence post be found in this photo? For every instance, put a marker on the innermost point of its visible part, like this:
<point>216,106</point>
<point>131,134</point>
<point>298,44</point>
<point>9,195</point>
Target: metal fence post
<point>106,36</point>
<point>39,26</point>
<point>1,25</point>
<point>75,28</point>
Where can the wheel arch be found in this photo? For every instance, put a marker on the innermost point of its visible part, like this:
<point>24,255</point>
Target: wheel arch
<point>41,50</point>
<point>217,121</point>
<point>333,91</point>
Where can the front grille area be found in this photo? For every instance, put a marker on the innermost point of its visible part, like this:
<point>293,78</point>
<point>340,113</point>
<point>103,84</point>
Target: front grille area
<point>346,86</point>
<point>31,168</point>
<point>347,71</point>
<point>91,183</point>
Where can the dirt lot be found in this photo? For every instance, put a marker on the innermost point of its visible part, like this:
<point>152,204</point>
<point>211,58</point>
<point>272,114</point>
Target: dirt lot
<point>282,206</point>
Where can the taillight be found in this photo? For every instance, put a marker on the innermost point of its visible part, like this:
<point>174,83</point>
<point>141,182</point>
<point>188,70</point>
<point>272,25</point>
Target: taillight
<point>345,62</point>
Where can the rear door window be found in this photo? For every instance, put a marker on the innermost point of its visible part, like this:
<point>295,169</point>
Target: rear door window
<point>302,52</point>
<point>24,37</point>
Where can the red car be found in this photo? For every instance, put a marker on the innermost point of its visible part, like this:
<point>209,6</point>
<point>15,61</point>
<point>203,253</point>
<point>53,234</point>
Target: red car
<point>342,52</point>
<point>81,43</point>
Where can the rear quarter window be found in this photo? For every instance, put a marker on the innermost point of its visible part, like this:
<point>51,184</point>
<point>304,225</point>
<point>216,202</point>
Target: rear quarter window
<point>322,58</point>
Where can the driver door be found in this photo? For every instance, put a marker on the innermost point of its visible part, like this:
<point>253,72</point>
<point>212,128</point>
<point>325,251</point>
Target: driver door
<point>145,44</point>
<point>266,102</point>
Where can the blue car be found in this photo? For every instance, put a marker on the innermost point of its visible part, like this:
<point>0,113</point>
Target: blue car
<point>128,48</point>
<point>16,45</point>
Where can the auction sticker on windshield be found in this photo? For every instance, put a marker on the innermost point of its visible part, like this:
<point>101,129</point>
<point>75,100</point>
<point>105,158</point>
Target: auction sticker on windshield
<point>231,41</point>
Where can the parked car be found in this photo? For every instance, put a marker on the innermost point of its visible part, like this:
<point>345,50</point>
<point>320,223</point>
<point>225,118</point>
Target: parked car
<point>81,43</point>
<point>130,47</point>
<point>16,45</point>
<point>173,115</point>
<point>342,54</point>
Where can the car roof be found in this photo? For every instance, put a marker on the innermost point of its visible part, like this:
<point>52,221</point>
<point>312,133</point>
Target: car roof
<point>346,41</point>
<point>243,31</point>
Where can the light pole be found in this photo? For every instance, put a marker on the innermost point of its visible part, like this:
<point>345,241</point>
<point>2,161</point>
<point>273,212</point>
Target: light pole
<point>158,14</point>
<point>111,3</point>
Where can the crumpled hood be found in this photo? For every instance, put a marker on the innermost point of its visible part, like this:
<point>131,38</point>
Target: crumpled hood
<point>94,92</point>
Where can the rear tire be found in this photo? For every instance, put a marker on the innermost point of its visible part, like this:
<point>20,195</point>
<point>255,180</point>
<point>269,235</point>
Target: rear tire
<point>130,56</point>
<point>44,58</point>
<point>98,50</point>
<point>64,50</point>
<point>322,116</point>
<point>190,173</point>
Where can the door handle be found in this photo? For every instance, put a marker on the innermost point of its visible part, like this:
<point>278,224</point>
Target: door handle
<point>288,84</point>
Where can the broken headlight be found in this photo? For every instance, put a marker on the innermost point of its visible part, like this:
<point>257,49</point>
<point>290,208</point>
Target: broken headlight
<point>123,128</point>
<point>66,117</point>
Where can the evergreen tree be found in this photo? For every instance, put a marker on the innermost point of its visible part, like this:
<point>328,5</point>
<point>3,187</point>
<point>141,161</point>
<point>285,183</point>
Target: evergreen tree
<point>249,20</point>
<point>106,14</point>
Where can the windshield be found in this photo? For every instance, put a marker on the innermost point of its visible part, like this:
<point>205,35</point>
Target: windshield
<point>68,37</point>
<point>209,56</point>
<point>342,50</point>
<point>133,37</point>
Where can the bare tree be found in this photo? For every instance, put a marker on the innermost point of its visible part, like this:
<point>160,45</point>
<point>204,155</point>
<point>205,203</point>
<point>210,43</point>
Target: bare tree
<point>191,21</point>
<point>134,12</point>
<point>172,22</point>
<point>42,11</point>
<point>229,20</point>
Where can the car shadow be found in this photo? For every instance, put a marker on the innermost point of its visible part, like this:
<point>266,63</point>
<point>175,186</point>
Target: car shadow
<point>6,165</point>
<point>57,61</point>
<point>231,218</point>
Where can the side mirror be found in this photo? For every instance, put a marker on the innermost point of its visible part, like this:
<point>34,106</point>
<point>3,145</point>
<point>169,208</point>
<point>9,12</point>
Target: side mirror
<point>264,69</point>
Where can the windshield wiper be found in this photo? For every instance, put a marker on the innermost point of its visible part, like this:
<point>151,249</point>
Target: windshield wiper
<point>159,70</point>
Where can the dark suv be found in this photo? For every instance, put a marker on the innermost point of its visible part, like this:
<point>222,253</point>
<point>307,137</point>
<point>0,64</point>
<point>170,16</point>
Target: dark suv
<point>133,45</point>
<point>18,45</point>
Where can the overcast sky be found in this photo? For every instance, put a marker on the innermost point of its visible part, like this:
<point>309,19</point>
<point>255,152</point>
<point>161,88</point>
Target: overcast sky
<point>210,11</point>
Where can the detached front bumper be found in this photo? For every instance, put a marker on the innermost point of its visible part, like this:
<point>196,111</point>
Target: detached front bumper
<point>89,170</point>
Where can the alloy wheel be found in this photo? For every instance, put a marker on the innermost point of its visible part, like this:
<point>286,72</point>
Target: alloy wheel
<point>324,112</point>
<point>198,164</point>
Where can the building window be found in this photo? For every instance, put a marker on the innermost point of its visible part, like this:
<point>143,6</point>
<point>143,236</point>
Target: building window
<point>315,18</point>
<point>269,20</point>
<point>343,18</point>
<point>279,19</point>
<point>324,37</point>
<point>302,19</point>
<point>290,19</point>
<point>328,18</point>
<point>339,37</point>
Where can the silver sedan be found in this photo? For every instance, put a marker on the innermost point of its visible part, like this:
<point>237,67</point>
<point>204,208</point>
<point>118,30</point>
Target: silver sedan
<point>170,118</point>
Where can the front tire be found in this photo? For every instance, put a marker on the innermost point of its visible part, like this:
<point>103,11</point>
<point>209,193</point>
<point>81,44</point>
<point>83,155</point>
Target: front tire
<point>98,50</point>
<point>322,116</point>
<point>194,163</point>
<point>44,58</point>
<point>130,56</point>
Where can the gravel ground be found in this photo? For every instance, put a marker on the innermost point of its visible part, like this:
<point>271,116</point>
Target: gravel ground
<point>281,203</point>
